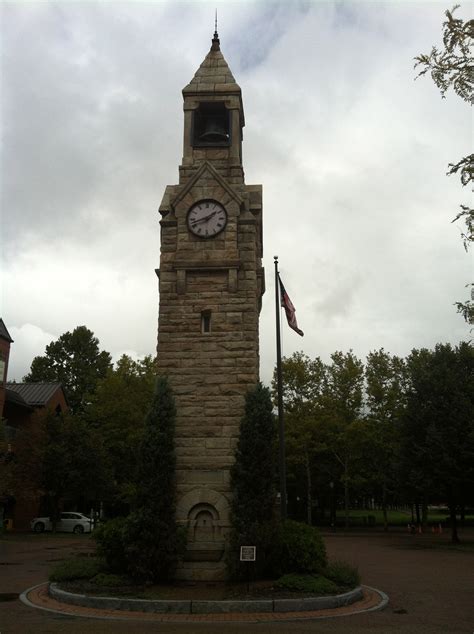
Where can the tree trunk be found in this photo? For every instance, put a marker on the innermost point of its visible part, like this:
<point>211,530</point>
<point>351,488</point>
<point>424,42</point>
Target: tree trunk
<point>332,510</point>
<point>384,507</point>
<point>54,506</point>
<point>454,525</point>
<point>424,513</point>
<point>309,500</point>
<point>346,493</point>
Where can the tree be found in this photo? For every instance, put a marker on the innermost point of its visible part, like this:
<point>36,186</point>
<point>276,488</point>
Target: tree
<point>252,477</point>
<point>75,361</point>
<point>151,537</point>
<point>58,457</point>
<point>438,425</point>
<point>116,411</point>
<point>385,394</point>
<point>342,407</point>
<point>302,380</point>
<point>325,434</point>
<point>302,447</point>
<point>453,67</point>
<point>71,463</point>
<point>302,386</point>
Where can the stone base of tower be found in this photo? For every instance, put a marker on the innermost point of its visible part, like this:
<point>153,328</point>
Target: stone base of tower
<point>205,513</point>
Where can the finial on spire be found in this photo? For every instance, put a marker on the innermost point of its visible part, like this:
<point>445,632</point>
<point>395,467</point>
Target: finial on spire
<point>215,40</point>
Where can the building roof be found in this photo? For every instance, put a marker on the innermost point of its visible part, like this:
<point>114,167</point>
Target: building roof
<point>214,75</point>
<point>33,394</point>
<point>16,399</point>
<point>4,334</point>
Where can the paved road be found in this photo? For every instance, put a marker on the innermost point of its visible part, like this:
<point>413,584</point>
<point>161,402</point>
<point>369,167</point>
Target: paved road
<point>431,590</point>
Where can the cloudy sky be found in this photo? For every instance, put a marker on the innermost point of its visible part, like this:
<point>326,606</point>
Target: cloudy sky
<point>351,151</point>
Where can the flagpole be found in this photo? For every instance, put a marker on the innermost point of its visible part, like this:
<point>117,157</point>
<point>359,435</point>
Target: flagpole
<point>281,423</point>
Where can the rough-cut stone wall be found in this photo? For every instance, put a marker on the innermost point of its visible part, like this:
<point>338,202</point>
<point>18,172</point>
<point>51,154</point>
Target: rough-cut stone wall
<point>210,372</point>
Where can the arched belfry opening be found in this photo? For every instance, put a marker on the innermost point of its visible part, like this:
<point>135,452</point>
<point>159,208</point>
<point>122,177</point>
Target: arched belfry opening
<point>211,125</point>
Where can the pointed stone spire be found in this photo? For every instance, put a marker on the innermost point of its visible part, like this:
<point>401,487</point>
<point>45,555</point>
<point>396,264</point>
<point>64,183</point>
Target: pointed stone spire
<point>214,75</point>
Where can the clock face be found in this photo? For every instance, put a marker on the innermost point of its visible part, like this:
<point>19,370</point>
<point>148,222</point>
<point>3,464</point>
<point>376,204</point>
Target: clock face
<point>207,218</point>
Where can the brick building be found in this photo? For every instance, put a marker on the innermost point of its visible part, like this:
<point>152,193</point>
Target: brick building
<point>26,406</point>
<point>23,407</point>
<point>5,342</point>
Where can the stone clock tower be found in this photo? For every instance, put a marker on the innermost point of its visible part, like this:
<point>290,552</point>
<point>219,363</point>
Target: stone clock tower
<point>211,283</point>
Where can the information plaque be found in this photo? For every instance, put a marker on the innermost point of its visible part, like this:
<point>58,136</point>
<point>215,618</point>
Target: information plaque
<point>248,553</point>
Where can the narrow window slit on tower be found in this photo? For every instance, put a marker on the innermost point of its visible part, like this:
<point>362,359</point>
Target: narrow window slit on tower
<point>206,321</point>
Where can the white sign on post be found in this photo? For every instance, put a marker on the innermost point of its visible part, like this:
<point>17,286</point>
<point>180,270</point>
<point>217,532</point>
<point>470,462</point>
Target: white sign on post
<point>248,553</point>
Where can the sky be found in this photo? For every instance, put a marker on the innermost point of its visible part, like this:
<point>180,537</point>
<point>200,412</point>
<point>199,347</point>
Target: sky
<point>351,151</point>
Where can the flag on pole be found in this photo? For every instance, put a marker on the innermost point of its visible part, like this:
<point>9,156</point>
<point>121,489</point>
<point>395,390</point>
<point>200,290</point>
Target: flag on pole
<point>289,309</point>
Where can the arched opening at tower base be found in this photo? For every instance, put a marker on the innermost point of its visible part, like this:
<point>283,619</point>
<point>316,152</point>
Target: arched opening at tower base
<point>205,515</point>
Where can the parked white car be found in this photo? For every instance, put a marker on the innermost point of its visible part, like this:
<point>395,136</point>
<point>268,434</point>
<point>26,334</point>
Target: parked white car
<point>68,522</point>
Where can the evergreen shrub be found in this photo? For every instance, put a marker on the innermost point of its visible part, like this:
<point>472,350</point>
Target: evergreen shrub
<point>252,482</point>
<point>111,545</point>
<point>105,580</point>
<point>343,574</point>
<point>151,538</point>
<point>146,545</point>
<point>300,549</point>
<point>152,547</point>
<point>265,537</point>
<point>311,584</point>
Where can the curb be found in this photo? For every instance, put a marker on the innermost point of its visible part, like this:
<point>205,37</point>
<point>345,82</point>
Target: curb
<point>383,602</point>
<point>38,597</point>
<point>207,607</point>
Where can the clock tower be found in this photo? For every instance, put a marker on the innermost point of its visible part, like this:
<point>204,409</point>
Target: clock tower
<point>211,283</point>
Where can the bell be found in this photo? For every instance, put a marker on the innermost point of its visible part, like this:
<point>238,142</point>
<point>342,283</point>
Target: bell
<point>214,132</point>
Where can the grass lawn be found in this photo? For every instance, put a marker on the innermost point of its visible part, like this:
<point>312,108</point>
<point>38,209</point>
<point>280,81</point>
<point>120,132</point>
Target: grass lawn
<point>359,517</point>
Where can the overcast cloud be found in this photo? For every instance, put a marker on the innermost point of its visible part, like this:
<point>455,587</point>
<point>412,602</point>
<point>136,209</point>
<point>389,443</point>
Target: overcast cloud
<point>351,152</point>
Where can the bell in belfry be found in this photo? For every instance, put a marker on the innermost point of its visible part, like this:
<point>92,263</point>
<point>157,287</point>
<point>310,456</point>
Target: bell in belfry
<point>214,131</point>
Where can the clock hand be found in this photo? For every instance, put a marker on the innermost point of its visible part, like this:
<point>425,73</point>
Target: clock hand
<point>193,224</point>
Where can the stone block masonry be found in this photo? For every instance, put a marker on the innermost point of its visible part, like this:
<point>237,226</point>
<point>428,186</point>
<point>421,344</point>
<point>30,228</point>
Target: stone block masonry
<point>210,299</point>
